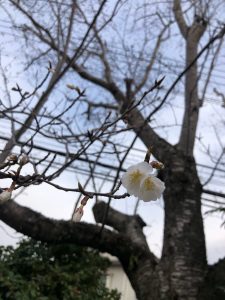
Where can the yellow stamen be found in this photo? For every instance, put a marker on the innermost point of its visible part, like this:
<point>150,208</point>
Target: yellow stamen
<point>148,184</point>
<point>135,177</point>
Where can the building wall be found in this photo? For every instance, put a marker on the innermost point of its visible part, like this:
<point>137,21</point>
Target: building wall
<point>117,279</point>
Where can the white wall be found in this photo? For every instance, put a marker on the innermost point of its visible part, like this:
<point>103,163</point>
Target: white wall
<point>117,279</point>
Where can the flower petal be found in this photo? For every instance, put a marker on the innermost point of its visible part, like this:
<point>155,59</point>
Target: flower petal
<point>131,181</point>
<point>140,183</point>
<point>143,167</point>
<point>151,188</point>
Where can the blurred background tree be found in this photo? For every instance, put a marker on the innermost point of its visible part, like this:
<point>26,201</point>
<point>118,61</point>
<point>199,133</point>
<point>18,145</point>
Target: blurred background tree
<point>35,270</point>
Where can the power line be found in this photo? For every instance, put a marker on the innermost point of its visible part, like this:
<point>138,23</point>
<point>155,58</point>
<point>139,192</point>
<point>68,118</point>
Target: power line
<point>100,164</point>
<point>120,53</point>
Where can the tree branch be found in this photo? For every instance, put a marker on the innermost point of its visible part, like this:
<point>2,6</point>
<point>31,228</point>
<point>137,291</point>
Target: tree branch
<point>129,225</point>
<point>134,258</point>
<point>180,18</point>
<point>214,285</point>
<point>54,80</point>
<point>37,226</point>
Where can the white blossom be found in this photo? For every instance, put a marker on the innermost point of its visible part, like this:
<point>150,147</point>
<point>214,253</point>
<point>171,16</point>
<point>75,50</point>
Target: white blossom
<point>151,188</point>
<point>139,182</point>
<point>131,180</point>
<point>78,214</point>
<point>5,196</point>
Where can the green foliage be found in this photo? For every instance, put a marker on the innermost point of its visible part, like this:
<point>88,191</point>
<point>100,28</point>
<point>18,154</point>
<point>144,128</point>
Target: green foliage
<point>37,271</point>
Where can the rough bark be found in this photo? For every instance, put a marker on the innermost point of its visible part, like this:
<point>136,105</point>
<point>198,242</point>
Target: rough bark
<point>183,263</point>
<point>39,227</point>
<point>142,271</point>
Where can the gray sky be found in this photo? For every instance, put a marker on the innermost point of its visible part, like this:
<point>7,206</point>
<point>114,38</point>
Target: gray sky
<point>59,204</point>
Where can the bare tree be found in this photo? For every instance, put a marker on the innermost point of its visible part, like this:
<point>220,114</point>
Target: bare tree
<point>80,40</point>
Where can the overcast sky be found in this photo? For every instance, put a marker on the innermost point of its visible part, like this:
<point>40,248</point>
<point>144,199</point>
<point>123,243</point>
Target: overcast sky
<point>60,204</point>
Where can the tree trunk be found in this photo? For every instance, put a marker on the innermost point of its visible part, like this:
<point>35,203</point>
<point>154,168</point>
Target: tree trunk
<point>183,263</point>
<point>180,273</point>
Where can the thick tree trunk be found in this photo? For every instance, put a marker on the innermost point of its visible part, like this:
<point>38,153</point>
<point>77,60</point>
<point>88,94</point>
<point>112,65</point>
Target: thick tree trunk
<point>183,263</point>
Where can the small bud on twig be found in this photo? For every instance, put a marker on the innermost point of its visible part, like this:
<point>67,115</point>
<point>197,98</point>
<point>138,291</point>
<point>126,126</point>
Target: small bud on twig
<point>78,214</point>
<point>23,160</point>
<point>157,165</point>
<point>5,196</point>
<point>12,158</point>
<point>84,200</point>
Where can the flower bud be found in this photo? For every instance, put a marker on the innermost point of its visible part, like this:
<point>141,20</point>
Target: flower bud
<point>157,165</point>
<point>5,196</point>
<point>78,214</point>
<point>71,86</point>
<point>12,158</point>
<point>23,160</point>
<point>51,70</point>
<point>84,200</point>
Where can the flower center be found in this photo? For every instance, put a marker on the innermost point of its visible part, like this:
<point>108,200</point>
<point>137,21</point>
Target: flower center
<point>148,184</point>
<point>135,177</point>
